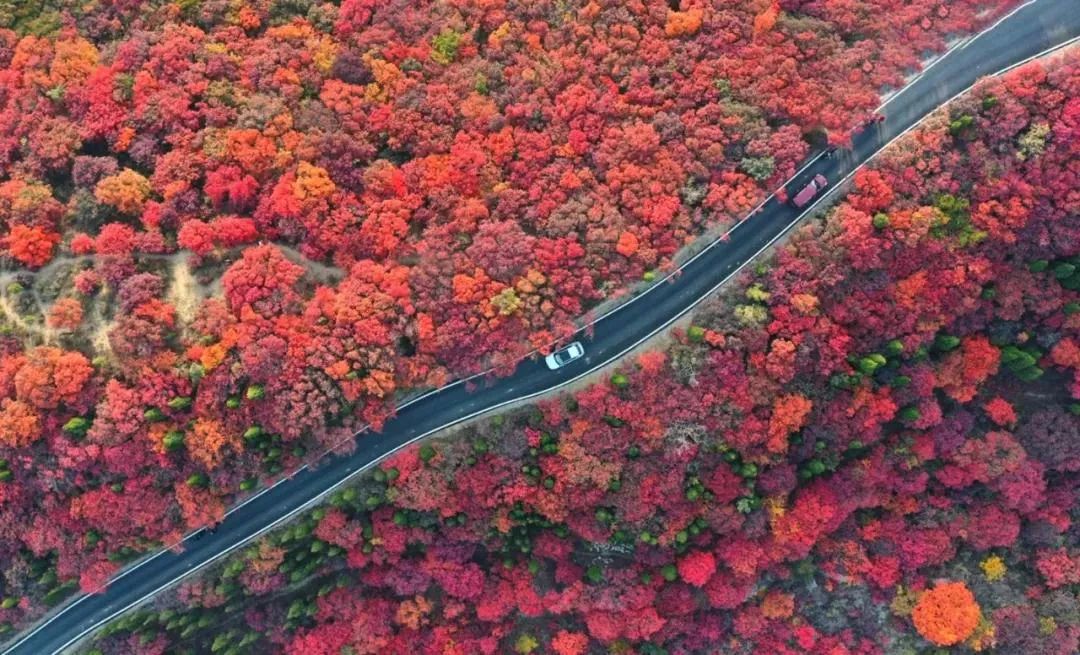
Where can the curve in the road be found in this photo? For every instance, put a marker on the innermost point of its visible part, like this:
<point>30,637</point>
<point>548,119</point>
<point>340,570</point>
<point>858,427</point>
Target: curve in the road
<point>1033,29</point>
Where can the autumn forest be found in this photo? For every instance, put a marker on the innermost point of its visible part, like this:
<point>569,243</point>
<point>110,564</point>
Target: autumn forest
<point>234,234</point>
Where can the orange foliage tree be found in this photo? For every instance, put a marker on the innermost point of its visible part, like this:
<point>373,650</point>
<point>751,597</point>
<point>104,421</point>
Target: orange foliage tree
<point>32,246</point>
<point>52,376</point>
<point>789,415</point>
<point>65,314</point>
<point>683,23</point>
<point>126,191</point>
<point>207,441</point>
<point>19,425</point>
<point>947,614</point>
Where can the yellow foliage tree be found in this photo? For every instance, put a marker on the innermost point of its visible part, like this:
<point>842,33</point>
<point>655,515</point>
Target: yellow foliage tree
<point>312,182</point>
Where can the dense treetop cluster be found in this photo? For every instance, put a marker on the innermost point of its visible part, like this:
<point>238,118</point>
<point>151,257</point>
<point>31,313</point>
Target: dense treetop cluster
<point>866,446</point>
<point>232,233</point>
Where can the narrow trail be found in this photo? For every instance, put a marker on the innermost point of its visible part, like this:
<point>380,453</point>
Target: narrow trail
<point>47,334</point>
<point>184,290</point>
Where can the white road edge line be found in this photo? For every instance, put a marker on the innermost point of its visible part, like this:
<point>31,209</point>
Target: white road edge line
<point>314,500</point>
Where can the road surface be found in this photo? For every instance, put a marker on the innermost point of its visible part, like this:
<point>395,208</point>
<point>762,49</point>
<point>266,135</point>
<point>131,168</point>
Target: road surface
<point>1034,28</point>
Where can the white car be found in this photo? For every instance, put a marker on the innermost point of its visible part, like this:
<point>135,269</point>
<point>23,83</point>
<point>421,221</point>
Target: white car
<point>561,358</point>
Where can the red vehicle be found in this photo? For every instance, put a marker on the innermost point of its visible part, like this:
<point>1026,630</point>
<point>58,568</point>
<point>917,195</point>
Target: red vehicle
<point>809,191</point>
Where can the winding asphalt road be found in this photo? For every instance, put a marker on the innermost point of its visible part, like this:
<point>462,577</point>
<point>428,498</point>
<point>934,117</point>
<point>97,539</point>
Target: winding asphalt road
<point>1036,27</point>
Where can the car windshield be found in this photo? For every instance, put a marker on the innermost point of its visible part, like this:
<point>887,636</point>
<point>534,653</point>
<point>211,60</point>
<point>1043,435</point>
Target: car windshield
<point>568,354</point>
